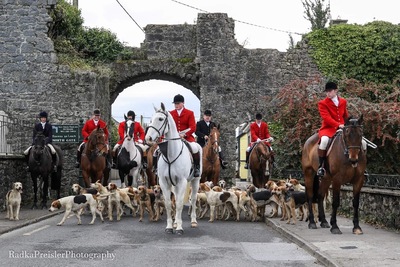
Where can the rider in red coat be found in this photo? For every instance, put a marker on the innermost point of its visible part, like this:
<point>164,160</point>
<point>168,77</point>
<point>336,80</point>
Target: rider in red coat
<point>138,136</point>
<point>87,129</point>
<point>333,111</point>
<point>258,131</point>
<point>186,125</point>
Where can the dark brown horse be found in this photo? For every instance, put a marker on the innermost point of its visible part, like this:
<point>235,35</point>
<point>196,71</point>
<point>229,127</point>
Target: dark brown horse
<point>93,161</point>
<point>41,166</point>
<point>346,163</point>
<point>211,163</point>
<point>260,164</point>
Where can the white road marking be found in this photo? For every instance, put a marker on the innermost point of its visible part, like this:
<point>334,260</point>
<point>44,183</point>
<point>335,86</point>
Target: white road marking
<point>37,230</point>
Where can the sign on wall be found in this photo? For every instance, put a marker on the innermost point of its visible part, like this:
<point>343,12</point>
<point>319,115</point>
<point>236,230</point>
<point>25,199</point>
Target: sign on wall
<point>66,133</point>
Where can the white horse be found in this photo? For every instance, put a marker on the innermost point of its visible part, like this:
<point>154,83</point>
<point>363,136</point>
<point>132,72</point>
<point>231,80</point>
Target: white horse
<point>129,157</point>
<point>174,167</point>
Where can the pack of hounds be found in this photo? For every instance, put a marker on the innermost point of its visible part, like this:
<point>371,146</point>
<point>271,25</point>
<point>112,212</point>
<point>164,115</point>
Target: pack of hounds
<point>215,202</point>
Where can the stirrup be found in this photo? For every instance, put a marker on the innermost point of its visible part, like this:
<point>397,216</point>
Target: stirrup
<point>77,164</point>
<point>144,164</point>
<point>246,166</point>
<point>321,172</point>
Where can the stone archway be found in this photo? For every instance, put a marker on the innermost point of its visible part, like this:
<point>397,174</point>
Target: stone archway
<point>126,75</point>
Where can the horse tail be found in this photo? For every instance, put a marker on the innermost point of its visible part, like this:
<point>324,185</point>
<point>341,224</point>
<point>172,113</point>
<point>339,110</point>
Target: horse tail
<point>315,189</point>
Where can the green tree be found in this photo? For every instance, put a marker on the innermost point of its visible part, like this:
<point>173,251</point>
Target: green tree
<point>316,13</point>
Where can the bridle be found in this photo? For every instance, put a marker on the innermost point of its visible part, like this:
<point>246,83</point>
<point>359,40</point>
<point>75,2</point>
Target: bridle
<point>347,147</point>
<point>261,156</point>
<point>161,132</point>
<point>95,143</point>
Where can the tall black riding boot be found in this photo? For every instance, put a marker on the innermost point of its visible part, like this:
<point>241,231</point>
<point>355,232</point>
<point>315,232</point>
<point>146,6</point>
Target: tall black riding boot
<point>155,159</point>
<point>78,159</point>
<point>322,158</point>
<point>196,163</point>
<point>246,166</point>
<point>144,162</point>
<point>224,164</point>
<point>54,157</point>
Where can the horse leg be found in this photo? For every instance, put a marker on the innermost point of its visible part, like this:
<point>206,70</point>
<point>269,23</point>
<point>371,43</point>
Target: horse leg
<point>45,191</point>
<point>168,207</point>
<point>130,180</point>
<point>312,185</point>
<point>180,192</point>
<point>35,189</point>
<point>335,205</point>
<point>85,177</point>
<point>122,178</point>
<point>356,202</point>
<point>193,199</point>
<point>323,189</point>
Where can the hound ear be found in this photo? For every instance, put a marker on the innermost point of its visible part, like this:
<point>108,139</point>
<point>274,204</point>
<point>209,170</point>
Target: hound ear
<point>162,106</point>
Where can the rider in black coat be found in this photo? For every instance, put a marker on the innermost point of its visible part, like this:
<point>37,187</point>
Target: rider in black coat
<point>203,128</point>
<point>47,129</point>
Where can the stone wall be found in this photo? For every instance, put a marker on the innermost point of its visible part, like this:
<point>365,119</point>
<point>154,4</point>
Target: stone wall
<point>32,81</point>
<point>379,206</point>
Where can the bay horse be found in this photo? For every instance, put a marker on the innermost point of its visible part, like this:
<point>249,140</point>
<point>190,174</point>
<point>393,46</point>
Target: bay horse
<point>41,166</point>
<point>345,163</point>
<point>260,164</point>
<point>129,157</point>
<point>93,160</point>
<point>174,167</point>
<point>211,162</point>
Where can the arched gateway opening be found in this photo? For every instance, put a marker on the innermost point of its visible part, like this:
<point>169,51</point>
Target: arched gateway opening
<point>143,96</point>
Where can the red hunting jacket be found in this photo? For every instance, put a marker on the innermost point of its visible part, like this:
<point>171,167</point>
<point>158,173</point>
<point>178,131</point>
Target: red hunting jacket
<point>261,132</point>
<point>90,126</point>
<point>332,116</point>
<point>138,132</point>
<point>184,121</point>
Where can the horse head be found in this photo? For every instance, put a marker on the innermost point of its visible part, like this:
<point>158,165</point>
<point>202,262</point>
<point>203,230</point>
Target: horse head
<point>262,151</point>
<point>158,126</point>
<point>214,138</point>
<point>352,137</point>
<point>38,146</point>
<point>129,125</point>
<point>97,138</point>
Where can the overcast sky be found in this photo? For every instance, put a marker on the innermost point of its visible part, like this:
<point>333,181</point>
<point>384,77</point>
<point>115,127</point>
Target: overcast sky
<point>259,24</point>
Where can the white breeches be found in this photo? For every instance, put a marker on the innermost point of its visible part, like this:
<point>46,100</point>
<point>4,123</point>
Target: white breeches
<point>325,140</point>
<point>195,147</point>
<point>53,151</point>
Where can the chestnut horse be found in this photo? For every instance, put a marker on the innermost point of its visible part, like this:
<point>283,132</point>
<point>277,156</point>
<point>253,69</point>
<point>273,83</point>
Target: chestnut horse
<point>260,164</point>
<point>211,163</point>
<point>346,163</point>
<point>149,172</point>
<point>93,161</point>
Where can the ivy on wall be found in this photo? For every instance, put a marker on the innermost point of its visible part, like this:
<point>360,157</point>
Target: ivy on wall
<point>367,53</point>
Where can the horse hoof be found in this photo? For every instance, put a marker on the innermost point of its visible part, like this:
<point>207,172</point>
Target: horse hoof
<point>194,224</point>
<point>336,231</point>
<point>179,232</point>
<point>169,230</point>
<point>357,231</point>
<point>312,226</point>
<point>174,225</point>
<point>325,225</point>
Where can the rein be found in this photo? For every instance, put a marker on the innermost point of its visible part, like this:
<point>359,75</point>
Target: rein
<point>164,152</point>
<point>165,124</point>
<point>344,143</point>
